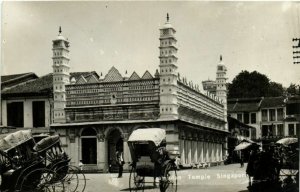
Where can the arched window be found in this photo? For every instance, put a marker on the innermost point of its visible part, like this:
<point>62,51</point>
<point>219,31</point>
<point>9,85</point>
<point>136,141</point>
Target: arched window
<point>89,132</point>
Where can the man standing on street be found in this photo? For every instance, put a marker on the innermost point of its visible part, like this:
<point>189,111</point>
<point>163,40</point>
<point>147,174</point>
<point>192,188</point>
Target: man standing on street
<point>120,162</point>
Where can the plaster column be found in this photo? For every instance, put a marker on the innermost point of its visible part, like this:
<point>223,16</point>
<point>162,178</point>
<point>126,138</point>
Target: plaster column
<point>102,154</point>
<point>201,152</point>
<point>217,152</point>
<point>189,152</point>
<point>195,152</point>
<point>221,152</point>
<point>182,151</point>
<point>126,151</point>
<point>206,151</point>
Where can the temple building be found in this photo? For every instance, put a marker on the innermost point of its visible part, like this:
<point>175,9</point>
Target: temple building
<point>95,115</point>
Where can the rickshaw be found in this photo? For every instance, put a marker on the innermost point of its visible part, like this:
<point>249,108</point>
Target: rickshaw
<point>56,160</point>
<point>151,161</point>
<point>276,168</point>
<point>18,160</point>
<point>25,166</point>
<point>289,163</point>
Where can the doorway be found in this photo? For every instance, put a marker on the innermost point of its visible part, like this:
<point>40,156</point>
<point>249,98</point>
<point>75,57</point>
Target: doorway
<point>89,146</point>
<point>114,143</point>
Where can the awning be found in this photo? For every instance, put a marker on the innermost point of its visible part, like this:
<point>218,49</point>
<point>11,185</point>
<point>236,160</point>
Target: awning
<point>242,145</point>
<point>287,141</point>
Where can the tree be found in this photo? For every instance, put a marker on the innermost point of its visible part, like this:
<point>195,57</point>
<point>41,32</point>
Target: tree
<point>275,90</point>
<point>253,84</point>
<point>293,89</point>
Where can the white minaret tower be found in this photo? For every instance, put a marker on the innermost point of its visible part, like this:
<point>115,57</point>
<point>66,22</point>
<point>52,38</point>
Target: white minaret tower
<point>61,76</point>
<point>221,90</point>
<point>168,72</point>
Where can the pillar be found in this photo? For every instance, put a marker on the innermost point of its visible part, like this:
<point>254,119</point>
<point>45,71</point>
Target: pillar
<point>189,160</point>
<point>126,152</point>
<point>182,151</point>
<point>201,152</point>
<point>195,154</point>
<point>102,155</point>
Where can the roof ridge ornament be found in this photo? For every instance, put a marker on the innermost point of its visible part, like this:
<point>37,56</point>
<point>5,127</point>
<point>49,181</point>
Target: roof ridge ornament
<point>59,30</point>
<point>221,58</point>
<point>168,18</point>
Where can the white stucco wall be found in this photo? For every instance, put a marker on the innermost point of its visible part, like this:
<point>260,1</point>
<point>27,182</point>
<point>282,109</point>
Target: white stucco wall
<point>27,103</point>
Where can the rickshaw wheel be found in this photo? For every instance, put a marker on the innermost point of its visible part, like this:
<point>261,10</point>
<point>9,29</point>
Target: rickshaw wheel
<point>72,178</point>
<point>136,182</point>
<point>40,180</point>
<point>169,181</point>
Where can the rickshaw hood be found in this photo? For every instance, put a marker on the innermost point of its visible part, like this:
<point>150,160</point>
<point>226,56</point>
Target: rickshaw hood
<point>156,135</point>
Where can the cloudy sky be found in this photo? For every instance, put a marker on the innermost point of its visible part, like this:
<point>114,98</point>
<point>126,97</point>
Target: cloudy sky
<point>250,36</point>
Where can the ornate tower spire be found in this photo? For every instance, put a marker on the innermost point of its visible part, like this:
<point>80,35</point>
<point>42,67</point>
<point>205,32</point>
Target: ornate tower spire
<point>61,76</point>
<point>221,90</point>
<point>168,72</point>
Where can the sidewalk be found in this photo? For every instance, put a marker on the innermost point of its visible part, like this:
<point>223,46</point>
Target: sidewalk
<point>223,178</point>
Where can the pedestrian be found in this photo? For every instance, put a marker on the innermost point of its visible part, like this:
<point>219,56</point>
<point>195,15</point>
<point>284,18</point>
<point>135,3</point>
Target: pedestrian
<point>242,159</point>
<point>120,162</point>
<point>80,165</point>
<point>178,162</point>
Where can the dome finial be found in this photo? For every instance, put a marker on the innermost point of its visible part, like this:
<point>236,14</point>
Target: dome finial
<point>59,30</point>
<point>220,57</point>
<point>168,17</point>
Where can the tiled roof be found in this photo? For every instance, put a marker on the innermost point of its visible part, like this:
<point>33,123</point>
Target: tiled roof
<point>254,104</point>
<point>6,78</point>
<point>246,107</point>
<point>269,102</point>
<point>77,75</point>
<point>230,106</point>
<point>41,86</point>
<point>81,80</point>
<point>92,79</point>
<point>113,75</point>
<point>147,75</point>
<point>293,99</point>
<point>134,76</point>
<point>243,104</point>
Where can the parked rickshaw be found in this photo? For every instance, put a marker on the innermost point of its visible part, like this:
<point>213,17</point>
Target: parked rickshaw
<point>151,161</point>
<point>26,166</point>
<point>289,156</point>
<point>56,160</point>
<point>276,168</point>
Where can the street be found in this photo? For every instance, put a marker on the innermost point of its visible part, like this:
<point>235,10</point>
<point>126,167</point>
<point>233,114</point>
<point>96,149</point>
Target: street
<point>225,178</point>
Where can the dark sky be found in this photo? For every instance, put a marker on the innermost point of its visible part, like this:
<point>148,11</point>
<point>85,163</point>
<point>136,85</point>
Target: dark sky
<point>250,36</point>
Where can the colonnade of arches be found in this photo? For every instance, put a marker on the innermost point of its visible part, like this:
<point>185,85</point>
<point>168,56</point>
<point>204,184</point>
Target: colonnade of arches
<point>99,149</point>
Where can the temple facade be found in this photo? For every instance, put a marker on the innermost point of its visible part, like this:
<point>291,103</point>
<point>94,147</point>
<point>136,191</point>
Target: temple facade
<point>95,115</point>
